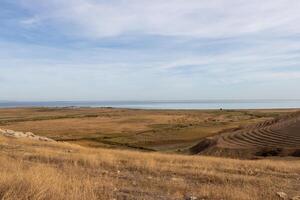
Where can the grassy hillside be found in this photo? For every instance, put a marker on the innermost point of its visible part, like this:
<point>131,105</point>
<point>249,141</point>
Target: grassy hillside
<point>276,137</point>
<point>156,130</point>
<point>52,170</point>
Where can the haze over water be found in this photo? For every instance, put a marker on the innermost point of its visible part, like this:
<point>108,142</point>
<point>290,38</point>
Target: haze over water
<point>199,104</point>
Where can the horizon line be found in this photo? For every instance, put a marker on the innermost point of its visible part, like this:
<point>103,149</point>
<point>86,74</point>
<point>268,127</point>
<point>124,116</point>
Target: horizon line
<point>154,100</point>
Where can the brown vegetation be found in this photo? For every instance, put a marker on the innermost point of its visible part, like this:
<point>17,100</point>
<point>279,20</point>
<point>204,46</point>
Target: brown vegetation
<point>54,170</point>
<point>34,169</point>
<point>152,130</point>
<point>276,137</point>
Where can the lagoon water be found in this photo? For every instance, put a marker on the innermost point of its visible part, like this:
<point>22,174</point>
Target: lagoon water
<point>199,104</point>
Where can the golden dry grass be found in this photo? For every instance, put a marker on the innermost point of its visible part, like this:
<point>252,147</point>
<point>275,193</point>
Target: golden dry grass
<point>160,130</point>
<point>46,170</point>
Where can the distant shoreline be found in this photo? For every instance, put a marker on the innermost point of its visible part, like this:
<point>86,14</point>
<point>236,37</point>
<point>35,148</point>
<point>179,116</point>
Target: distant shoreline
<point>161,105</point>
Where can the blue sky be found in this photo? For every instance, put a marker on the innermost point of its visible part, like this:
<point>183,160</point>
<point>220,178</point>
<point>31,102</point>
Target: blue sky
<point>149,50</point>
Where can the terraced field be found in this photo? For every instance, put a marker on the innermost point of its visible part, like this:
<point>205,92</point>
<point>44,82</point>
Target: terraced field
<point>276,137</point>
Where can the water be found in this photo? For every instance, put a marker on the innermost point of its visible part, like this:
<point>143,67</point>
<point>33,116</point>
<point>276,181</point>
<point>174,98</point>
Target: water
<point>200,104</point>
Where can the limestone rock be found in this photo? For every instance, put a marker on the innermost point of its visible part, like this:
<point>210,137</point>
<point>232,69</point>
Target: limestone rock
<point>282,195</point>
<point>19,134</point>
<point>192,198</point>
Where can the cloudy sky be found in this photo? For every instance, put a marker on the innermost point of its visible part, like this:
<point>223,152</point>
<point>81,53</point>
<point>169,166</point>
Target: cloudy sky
<point>149,50</point>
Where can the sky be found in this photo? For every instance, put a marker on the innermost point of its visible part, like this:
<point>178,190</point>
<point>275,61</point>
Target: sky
<point>149,50</point>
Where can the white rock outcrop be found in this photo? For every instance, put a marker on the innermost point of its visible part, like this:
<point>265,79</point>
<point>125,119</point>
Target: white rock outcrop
<point>19,134</point>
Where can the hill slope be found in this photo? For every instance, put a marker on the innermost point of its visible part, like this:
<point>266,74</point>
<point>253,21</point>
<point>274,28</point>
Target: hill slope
<point>33,169</point>
<point>277,137</point>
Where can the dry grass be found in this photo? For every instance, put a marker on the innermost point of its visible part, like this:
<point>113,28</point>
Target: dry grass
<point>41,170</point>
<point>162,130</point>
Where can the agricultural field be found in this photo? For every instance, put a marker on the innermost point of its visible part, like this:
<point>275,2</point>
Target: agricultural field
<point>148,130</point>
<point>108,153</point>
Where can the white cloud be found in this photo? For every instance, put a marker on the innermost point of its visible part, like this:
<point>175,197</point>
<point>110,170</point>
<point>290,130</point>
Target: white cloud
<point>208,44</point>
<point>31,21</point>
<point>283,75</point>
<point>214,18</point>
